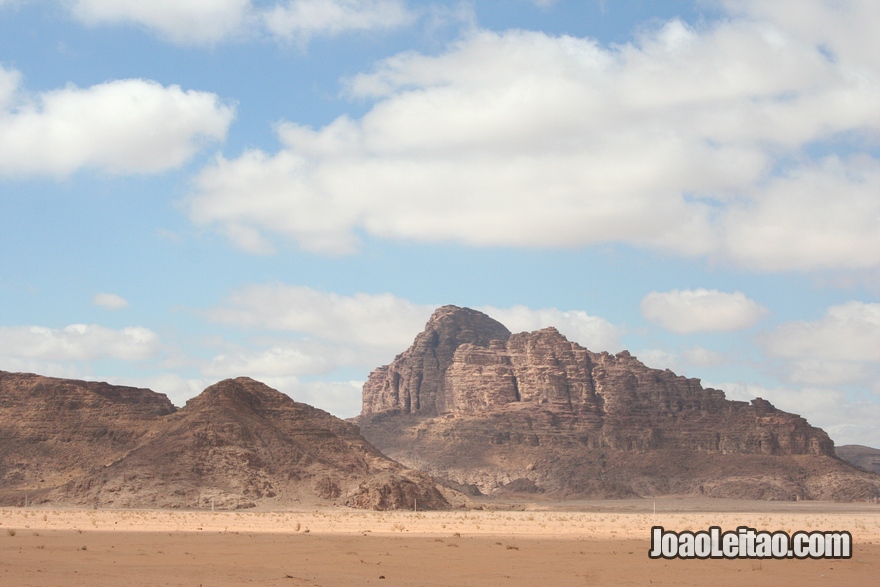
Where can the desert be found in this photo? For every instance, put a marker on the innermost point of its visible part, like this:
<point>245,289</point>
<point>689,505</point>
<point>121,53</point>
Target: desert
<point>515,459</point>
<point>597,542</point>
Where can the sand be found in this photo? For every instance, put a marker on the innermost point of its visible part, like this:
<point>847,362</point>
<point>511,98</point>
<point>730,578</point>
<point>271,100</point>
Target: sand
<point>579,543</point>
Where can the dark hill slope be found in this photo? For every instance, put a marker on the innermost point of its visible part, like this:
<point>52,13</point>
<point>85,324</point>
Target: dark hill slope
<point>238,444</point>
<point>241,442</point>
<point>53,430</point>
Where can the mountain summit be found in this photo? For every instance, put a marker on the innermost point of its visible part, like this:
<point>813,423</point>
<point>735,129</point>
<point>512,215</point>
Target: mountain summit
<point>495,411</point>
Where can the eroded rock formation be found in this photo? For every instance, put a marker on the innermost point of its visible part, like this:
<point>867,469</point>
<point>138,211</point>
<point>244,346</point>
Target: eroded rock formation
<point>493,408</point>
<point>53,430</point>
<point>238,444</point>
<point>414,382</point>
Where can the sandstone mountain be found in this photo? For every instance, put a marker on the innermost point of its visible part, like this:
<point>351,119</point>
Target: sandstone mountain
<point>495,412</point>
<point>238,444</point>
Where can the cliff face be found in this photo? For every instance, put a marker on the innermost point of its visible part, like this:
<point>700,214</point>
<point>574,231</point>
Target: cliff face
<point>534,406</point>
<point>238,444</point>
<point>414,382</point>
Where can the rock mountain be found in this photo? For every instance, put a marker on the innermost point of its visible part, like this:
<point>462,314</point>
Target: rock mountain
<point>495,412</point>
<point>238,444</point>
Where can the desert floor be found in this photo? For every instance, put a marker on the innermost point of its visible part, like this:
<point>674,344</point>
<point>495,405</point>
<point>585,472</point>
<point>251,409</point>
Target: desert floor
<point>570,543</point>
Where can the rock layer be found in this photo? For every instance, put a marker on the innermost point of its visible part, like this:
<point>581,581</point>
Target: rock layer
<point>414,382</point>
<point>52,430</point>
<point>238,444</point>
<point>538,407</point>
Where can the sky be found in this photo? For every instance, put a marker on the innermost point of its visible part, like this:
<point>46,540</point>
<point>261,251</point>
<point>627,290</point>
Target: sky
<point>286,189</point>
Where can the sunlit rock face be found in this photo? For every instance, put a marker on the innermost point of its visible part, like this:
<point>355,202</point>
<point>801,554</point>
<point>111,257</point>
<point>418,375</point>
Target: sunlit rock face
<point>474,404</point>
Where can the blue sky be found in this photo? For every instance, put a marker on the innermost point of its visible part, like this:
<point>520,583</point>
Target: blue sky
<point>286,189</point>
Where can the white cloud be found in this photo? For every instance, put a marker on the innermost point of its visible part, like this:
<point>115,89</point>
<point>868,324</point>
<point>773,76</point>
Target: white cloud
<point>592,332</point>
<point>701,310</point>
<point>681,361</point>
<point>340,398</point>
<point>189,22</point>
<point>299,20</point>
<point>846,421</point>
<point>659,359</point>
<point>841,348</point>
<point>177,388</point>
<point>296,358</point>
<point>77,342</point>
<point>110,301</point>
<point>523,139</point>
<point>10,80</point>
<point>381,321</point>
<point>376,320</point>
<point>703,357</point>
<point>208,22</point>
<point>121,126</point>
<point>825,214</point>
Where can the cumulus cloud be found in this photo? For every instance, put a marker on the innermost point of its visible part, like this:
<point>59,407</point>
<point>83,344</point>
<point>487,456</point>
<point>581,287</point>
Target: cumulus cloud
<point>200,22</point>
<point>299,20</point>
<point>841,348</point>
<point>77,342</point>
<point>520,138</point>
<point>379,320</point>
<point>296,358</point>
<point>593,332</point>
<point>822,214</point>
<point>681,361</point>
<point>208,22</point>
<point>121,126</point>
<point>340,398</point>
<point>701,310</point>
<point>178,389</point>
<point>110,301</point>
<point>383,320</point>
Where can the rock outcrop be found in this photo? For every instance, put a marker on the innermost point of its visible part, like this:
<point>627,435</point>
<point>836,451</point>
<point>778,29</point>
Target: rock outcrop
<point>238,444</point>
<point>53,430</point>
<point>535,406</point>
<point>414,382</point>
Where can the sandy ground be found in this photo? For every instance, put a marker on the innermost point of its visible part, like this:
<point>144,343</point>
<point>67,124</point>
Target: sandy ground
<point>577,543</point>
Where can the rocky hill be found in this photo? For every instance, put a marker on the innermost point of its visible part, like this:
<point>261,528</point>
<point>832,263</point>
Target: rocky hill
<point>491,411</point>
<point>54,430</point>
<point>861,456</point>
<point>238,444</point>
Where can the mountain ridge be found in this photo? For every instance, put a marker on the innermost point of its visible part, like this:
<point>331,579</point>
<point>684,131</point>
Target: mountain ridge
<point>537,409</point>
<point>237,444</point>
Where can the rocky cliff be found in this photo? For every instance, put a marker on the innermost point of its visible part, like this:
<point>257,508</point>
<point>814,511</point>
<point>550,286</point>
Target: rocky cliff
<point>238,444</point>
<point>479,407</point>
<point>414,382</point>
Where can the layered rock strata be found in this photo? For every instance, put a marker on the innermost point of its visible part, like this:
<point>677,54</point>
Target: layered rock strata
<point>238,444</point>
<point>53,430</point>
<point>535,406</point>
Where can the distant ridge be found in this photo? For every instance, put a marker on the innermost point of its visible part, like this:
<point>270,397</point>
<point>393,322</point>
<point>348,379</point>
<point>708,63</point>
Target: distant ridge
<point>861,456</point>
<point>494,411</point>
